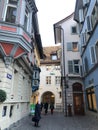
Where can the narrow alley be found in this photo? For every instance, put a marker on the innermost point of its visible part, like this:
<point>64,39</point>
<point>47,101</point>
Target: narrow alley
<point>58,121</point>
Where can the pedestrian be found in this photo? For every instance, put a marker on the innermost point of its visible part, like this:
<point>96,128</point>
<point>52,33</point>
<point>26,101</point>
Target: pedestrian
<point>41,106</point>
<point>52,108</point>
<point>46,108</point>
<point>37,115</point>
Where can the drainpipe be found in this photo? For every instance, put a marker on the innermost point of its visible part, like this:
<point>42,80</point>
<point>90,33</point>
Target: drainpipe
<point>63,75</point>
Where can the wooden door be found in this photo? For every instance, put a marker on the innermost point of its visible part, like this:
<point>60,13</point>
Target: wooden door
<point>78,99</point>
<point>78,104</point>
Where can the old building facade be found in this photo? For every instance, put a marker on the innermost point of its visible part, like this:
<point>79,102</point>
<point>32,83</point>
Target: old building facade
<point>86,16</point>
<point>19,40</point>
<point>50,82</point>
<point>66,33</point>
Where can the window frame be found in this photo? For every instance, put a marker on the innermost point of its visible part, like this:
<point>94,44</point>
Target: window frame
<point>27,14</point>
<point>57,80</point>
<point>92,56</point>
<point>71,48</point>
<point>90,93</point>
<point>5,12</point>
<point>72,27</point>
<point>48,80</point>
<point>72,65</point>
<point>4,111</point>
<point>54,57</point>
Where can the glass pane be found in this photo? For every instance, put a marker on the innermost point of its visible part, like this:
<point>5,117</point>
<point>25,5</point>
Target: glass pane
<point>75,46</point>
<point>76,69</point>
<point>54,57</point>
<point>89,102</point>
<point>92,55</point>
<point>11,15</point>
<point>25,22</point>
<point>70,66</point>
<point>14,2</point>
<point>74,30</point>
<point>94,101</point>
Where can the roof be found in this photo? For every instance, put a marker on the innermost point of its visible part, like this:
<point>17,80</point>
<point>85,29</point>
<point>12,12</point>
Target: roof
<point>65,19</point>
<point>48,51</point>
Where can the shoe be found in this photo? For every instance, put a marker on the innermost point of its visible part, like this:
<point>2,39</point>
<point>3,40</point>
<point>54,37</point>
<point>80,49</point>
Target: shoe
<point>35,125</point>
<point>38,126</point>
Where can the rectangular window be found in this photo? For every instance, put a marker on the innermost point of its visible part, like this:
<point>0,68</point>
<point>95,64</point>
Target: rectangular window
<point>57,80</point>
<point>11,10</point>
<point>74,30</point>
<point>74,67</point>
<point>75,46</point>
<point>91,98</point>
<point>96,49</point>
<point>72,46</point>
<point>4,111</point>
<point>54,57</point>
<point>27,19</point>
<point>57,67</point>
<point>92,52</point>
<point>89,24</point>
<point>48,80</point>
<point>11,110</point>
<point>48,67</point>
<point>86,65</point>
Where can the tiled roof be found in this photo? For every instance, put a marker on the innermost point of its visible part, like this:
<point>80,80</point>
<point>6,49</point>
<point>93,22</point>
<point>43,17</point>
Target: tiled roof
<point>47,53</point>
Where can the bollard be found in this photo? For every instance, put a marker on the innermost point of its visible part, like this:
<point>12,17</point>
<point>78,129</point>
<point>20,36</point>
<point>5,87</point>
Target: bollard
<point>69,110</point>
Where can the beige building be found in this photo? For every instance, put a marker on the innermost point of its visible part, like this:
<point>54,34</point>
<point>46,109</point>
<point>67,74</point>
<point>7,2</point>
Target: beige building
<point>50,77</point>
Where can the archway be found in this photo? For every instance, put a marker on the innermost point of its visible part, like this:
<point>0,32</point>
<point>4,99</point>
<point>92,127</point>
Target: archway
<point>78,99</point>
<point>48,97</point>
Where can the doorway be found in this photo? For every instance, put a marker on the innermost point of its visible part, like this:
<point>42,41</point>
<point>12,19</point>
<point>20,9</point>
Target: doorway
<point>48,97</point>
<point>78,100</point>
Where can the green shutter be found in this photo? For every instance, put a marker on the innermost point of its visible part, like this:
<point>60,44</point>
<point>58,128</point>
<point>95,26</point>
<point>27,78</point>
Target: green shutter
<point>70,66</point>
<point>69,46</point>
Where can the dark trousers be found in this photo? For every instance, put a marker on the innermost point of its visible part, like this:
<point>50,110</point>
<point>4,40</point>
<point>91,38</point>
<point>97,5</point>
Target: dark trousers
<point>51,111</point>
<point>46,111</point>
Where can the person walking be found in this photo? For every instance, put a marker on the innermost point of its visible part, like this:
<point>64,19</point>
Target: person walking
<point>41,106</point>
<point>37,115</point>
<point>46,108</point>
<point>52,108</point>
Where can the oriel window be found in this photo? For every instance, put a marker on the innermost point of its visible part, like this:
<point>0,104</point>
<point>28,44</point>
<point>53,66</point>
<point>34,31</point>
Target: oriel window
<point>11,11</point>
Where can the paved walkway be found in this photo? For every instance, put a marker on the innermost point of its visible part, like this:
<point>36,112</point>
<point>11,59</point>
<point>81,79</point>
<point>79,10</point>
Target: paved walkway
<point>58,121</point>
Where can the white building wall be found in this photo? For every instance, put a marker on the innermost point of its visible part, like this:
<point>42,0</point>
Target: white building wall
<point>55,89</point>
<point>69,37</point>
<point>18,94</point>
<point>69,55</point>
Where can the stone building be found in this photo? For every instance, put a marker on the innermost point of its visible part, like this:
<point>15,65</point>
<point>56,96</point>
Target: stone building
<point>19,39</point>
<point>50,77</point>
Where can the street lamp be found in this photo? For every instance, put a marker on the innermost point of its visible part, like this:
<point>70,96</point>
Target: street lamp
<point>59,38</point>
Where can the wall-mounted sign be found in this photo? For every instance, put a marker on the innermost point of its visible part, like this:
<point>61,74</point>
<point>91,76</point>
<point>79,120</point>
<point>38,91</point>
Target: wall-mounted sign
<point>9,76</point>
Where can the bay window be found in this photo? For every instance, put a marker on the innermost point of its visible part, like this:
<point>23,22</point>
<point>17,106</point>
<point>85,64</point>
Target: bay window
<point>11,11</point>
<point>27,19</point>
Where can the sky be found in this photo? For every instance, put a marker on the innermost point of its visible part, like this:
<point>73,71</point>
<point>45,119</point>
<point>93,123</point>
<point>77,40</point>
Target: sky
<point>49,13</point>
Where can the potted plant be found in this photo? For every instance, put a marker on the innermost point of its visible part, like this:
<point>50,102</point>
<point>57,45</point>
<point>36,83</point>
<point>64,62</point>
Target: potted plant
<point>2,95</point>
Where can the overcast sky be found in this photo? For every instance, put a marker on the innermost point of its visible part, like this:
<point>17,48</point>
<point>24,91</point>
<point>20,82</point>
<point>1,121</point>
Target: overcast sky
<point>49,13</point>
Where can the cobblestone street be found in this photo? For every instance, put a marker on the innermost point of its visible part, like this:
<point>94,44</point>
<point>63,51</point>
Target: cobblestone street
<point>58,121</point>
